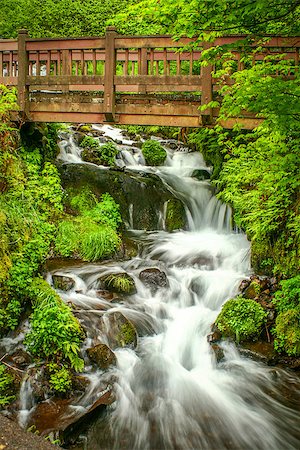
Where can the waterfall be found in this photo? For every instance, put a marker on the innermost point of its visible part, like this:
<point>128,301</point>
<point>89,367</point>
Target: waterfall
<point>173,392</point>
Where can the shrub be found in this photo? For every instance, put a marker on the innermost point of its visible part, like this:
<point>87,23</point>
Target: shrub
<point>241,318</point>
<point>154,153</point>
<point>98,154</point>
<point>288,297</point>
<point>6,387</point>
<point>55,333</point>
<point>60,379</point>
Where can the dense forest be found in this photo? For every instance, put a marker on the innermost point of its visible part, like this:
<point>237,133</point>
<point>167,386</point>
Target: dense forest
<point>256,172</point>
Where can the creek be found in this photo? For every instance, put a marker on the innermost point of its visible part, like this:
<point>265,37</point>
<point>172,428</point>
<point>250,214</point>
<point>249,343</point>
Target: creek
<point>173,391</point>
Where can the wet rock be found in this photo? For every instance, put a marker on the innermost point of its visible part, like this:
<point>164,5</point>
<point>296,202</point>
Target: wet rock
<point>146,192</point>
<point>119,331</point>
<point>214,336</point>
<point>106,295</point>
<point>252,291</point>
<point>102,355</point>
<point>218,352</point>
<point>121,283</point>
<point>175,215</point>
<point>201,174</point>
<point>62,282</point>
<point>259,351</point>
<point>20,359</point>
<point>153,278</point>
<point>244,284</point>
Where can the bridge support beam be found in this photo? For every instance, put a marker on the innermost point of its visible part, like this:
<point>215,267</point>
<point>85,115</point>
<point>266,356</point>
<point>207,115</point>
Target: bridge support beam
<point>23,91</point>
<point>109,74</point>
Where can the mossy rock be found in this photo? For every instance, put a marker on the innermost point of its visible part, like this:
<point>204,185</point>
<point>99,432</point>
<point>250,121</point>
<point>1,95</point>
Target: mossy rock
<point>154,153</point>
<point>122,283</point>
<point>62,282</point>
<point>241,319</point>
<point>119,331</point>
<point>102,355</point>
<point>175,216</point>
<point>153,278</point>
<point>252,291</point>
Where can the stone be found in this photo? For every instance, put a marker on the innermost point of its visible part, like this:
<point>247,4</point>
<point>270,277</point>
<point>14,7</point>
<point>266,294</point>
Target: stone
<point>122,283</point>
<point>252,291</point>
<point>153,278</point>
<point>119,331</point>
<point>175,215</point>
<point>20,359</point>
<point>102,355</point>
<point>201,174</point>
<point>62,282</point>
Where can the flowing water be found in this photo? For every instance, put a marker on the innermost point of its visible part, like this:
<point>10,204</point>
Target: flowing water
<point>172,392</point>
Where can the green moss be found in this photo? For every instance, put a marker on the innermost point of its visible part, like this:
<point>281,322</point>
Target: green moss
<point>98,154</point>
<point>60,378</point>
<point>241,319</point>
<point>154,153</point>
<point>127,335</point>
<point>253,290</point>
<point>120,282</point>
<point>287,332</point>
<point>175,216</point>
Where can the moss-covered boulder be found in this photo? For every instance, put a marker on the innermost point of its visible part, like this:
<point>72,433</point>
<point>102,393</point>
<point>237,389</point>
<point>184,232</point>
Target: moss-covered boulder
<point>201,174</point>
<point>98,154</point>
<point>102,355</point>
<point>119,331</point>
<point>154,153</point>
<point>241,319</point>
<point>122,283</point>
<point>253,290</point>
<point>175,216</point>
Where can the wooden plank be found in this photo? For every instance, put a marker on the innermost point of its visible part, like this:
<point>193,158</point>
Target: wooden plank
<point>159,80</point>
<point>8,45</point>
<point>172,121</point>
<point>1,64</point>
<point>73,117</point>
<point>65,44</point>
<point>9,81</point>
<point>63,80</point>
<point>23,99</point>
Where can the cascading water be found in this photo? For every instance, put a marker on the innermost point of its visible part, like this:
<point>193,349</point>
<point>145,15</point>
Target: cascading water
<point>172,393</point>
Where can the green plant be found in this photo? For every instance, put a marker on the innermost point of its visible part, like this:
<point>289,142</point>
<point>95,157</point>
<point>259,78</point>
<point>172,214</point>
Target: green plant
<point>287,332</point>
<point>6,387</point>
<point>99,154</point>
<point>288,297</point>
<point>60,379</point>
<point>241,318</point>
<point>154,153</point>
<point>55,333</point>
<point>120,282</point>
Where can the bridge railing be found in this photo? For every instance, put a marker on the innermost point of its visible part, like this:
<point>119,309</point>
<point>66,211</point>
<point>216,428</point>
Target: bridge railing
<point>124,64</point>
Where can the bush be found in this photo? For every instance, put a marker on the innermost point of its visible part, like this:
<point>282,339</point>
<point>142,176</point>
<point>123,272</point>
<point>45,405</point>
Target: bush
<point>154,153</point>
<point>6,387</point>
<point>288,297</point>
<point>241,318</point>
<point>55,333</point>
<point>98,154</point>
<point>60,379</point>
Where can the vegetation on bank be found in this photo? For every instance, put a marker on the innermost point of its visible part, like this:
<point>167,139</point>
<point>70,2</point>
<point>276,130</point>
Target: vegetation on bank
<point>33,219</point>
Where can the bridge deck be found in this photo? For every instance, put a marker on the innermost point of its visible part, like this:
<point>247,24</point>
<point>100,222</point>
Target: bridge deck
<point>143,80</point>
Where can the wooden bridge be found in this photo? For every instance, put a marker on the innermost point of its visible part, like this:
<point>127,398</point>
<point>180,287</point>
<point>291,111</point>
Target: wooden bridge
<point>128,80</point>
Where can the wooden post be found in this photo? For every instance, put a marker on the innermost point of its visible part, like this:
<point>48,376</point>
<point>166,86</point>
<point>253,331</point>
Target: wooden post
<point>23,91</point>
<point>109,74</point>
<point>207,89</point>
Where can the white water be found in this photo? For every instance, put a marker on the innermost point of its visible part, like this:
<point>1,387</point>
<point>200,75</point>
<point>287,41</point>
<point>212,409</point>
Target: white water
<point>171,392</point>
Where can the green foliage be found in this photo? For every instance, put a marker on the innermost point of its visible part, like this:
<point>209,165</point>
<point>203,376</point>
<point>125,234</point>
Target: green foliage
<point>120,282</point>
<point>288,297</point>
<point>84,238</point>
<point>55,334</point>
<point>241,318</point>
<point>60,379</point>
<point>154,153</point>
<point>287,332</point>
<point>98,154</point>
<point>6,387</point>
<point>52,18</point>
<point>287,325</point>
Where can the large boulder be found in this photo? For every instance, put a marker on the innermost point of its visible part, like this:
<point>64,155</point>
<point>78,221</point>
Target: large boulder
<point>122,283</point>
<point>141,196</point>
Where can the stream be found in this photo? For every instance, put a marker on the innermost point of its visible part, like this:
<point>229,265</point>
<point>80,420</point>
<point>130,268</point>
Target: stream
<point>173,391</point>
